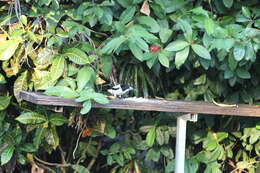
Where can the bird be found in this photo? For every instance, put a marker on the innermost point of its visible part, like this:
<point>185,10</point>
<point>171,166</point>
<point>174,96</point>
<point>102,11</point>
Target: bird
<point>120,89</point>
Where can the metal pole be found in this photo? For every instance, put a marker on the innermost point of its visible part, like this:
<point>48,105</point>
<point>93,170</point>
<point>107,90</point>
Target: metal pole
<point>180,145</point>
<point>181,140</point>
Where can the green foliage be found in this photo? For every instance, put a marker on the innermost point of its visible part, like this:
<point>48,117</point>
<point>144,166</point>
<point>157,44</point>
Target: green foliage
<point>186,50</point>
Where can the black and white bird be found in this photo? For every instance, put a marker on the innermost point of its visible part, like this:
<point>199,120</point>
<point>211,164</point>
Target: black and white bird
<point>120,89</point>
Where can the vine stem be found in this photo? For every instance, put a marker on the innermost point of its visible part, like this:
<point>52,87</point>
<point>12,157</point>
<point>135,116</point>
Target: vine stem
<point>93,160</point>
<point>51,164</point>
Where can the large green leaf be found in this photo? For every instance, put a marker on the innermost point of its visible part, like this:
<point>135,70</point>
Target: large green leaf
<point>186,27</point>
<point>86,107</point>
<point>61,91</point>
<point>4,102</point>
<point>228,3</point>
<point>113,44</point>
<point>137,52</point>
<point>57,68</point>
<point>165,34</point>
<point>209,25</point>
<point>77,56</point>
<point>2,79</point>
<point>39,134</point>
<point>200,11</point>
<point>106,65</point>
<point>21,84</point>
<point>191,166</point>
<point>80,169</point>
<point>83,77</point>
<point>31,118</point>
<point>57,119</point>
<point>239,52</point>
<point>52,138</point>
<point>127,15</point>
<point>181,57</point>
<point>150,138</point>
<point>201,51</point>
<point>177,45</point>
<point>7,154</point>
<point>150,22</point>
<point>8,48</point>
<point>163,59</point>
<point>242,73</point>
<point>100,98</point>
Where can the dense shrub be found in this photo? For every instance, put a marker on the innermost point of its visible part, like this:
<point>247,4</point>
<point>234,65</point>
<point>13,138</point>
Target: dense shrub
<point>176,49</point>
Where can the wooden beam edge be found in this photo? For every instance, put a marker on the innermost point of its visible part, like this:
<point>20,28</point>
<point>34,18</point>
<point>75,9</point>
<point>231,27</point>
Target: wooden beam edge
<point>148,105</point>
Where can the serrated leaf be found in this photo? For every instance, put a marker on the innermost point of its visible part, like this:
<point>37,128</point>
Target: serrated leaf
<point>163,59</point>
<point>150,22</point>
<point>86,107</point>
<point>8,48</point>
<point>20,84</point>
<point>150,138</point>
<point>80,169</point>
<point>61,91</point>
<point>165,34</point>
<point>239,52</point>
<point>127,15</point>
<point>181,57</point>
<point>201,51</point>
<point>83,77</point>
<point>177,45</point>
<point>57,119</point>
<point>57,68</point>
<point>209,26</point>
<point>77,56</point>
<point>31,118</point>
<point>7,154</point>
<point>4,102</point>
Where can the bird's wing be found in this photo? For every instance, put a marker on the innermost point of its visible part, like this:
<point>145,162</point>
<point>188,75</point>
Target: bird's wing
<point>116,87</point>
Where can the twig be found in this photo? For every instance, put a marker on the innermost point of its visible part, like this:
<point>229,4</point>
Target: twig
<point>63,161</point>
<point>93,160</point>
<point>46,167</point>
<point>51,164</point>
<point>77,143</point>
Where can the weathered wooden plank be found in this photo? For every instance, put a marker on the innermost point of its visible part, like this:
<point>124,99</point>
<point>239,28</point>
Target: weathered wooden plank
<point>149,105</point>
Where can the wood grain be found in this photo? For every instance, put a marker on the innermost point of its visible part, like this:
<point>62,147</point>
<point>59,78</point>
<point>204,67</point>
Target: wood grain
<point>149,105</point>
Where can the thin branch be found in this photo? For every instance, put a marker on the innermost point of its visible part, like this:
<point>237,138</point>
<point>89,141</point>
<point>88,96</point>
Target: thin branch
<point>93,160</point>
<point>77,143</point>
<point>51,164</point>
<point>46,167</point>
